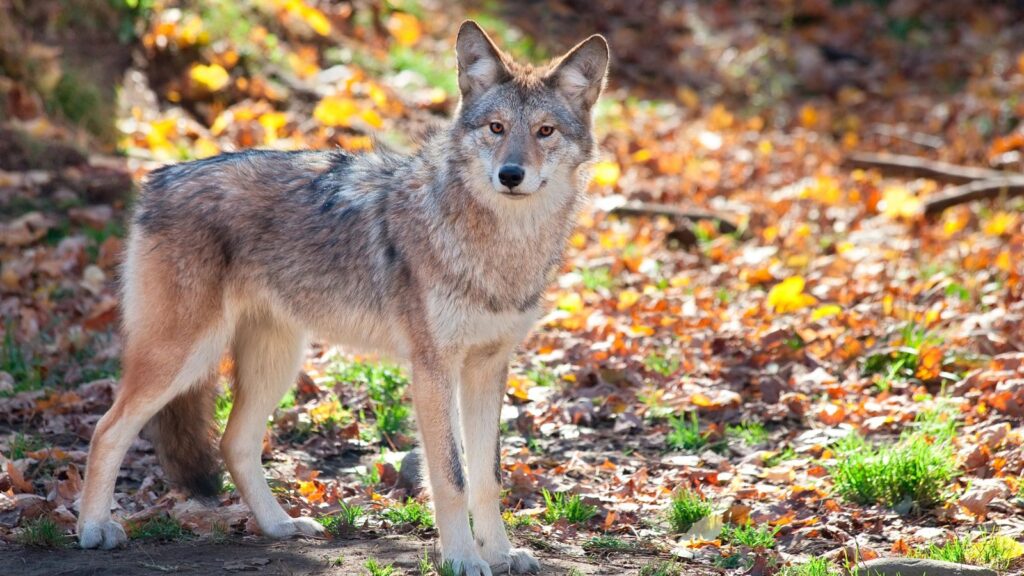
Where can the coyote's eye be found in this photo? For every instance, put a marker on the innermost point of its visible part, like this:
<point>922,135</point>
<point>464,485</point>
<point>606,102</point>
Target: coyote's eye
<point>497,127</point>
<point>545,131</point>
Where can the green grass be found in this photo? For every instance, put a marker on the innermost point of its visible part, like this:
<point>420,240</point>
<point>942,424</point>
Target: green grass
<point>375,568</point>
<point>344,521</point>
<point>750,433</point>
<point>79,100</point>
<point>21,444</point>
<point>18,362</point>
<point>913,471</point>
<point>542,376</point>
<point>606,543</point>
<point>990,550</point>
<point>900,364</point>
<point>435,71</point>
<point>385,385</point>
<point>685,433</point>
<point>663,363</point>
<point>756,537</point>
<point>162,528</point>
<point>222,410</point>
<point>686,509</point>
<point>785,455</point>
<point>813,567</point>
<point>595,279</point>
<point>570,507</point>
<point>42,533</point>
<point>411,513</point>
<point>669,568</point>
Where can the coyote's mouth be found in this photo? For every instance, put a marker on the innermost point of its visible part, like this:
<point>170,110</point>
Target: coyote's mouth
<point>514,194</point>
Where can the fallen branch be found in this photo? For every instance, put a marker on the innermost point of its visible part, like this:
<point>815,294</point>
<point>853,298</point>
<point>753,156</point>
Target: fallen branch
<point>977,190</point>
<point>971,183</point>
<point>914,167</point>
<point>644,209</point>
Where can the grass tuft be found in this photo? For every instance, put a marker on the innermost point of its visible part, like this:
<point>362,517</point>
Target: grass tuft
<point>813,567</point>
<point>385,385</point>
<point>560,505</point>
<point>344,521</point>
<point>42,533</point>
<point>411,513</point>
<point>375,568</point>
<point>606,543</point>
<point>162,528</point>
<point>756,537</point>
<point>913,471</point>
<point>750,433</point>
<point>685,433</point>
<point>686,509</point>
<point>990,550</point>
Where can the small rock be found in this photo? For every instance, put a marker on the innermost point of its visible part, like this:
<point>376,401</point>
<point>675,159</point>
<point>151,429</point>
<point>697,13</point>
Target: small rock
<point>95,216</point>
<point>919,567</point>
<point>409,477</point>
<point>24,230</point>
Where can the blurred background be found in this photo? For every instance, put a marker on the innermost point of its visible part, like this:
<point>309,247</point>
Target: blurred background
<point>750,283</point>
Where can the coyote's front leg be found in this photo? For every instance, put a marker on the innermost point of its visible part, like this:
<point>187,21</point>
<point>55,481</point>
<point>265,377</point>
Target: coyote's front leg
<point>434,382</point>
<point>481,392</point>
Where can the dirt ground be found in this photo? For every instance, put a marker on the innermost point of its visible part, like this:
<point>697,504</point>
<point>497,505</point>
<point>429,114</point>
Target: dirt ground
<point>266,557</point>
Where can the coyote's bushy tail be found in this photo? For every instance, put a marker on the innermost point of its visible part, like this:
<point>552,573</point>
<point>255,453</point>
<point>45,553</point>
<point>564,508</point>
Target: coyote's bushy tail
<point>185,437</point>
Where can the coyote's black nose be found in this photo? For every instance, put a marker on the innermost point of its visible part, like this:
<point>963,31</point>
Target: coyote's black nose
<point>511,175</point>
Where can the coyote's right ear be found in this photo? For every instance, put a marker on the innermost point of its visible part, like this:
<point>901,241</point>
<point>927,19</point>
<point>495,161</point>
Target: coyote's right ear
<point>480,64</point>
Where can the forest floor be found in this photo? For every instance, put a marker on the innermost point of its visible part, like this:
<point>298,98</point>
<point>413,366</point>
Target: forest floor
<point>822,363</point>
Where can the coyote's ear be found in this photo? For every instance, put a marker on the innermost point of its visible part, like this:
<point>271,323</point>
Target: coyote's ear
<point>580,74</point>
<point>480,65</point>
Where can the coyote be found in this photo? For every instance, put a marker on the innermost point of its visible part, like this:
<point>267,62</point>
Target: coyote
<point>438,258</point>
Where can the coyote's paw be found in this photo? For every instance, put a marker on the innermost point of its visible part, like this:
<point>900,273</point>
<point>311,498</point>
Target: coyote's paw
<point>301,526</point>
<point>522,562</point>
<point>107,535</point>
<point>469,565</point>
<point>515,561</point>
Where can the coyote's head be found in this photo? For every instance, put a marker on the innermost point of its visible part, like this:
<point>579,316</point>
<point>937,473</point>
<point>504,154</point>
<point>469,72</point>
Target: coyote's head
<point>524,131</point>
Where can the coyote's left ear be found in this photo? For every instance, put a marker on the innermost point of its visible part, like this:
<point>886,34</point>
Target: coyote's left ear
<point>580,74</point>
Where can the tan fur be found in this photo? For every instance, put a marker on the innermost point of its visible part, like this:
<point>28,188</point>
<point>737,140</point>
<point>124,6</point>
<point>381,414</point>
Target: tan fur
<point>429,258</point>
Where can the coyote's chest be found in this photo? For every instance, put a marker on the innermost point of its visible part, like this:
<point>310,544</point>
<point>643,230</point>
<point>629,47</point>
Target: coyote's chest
<point>456,322</point>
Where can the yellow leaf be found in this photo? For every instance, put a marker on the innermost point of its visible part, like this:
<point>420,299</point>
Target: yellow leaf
<point>627,298</point>
<point>571,302</point>
<point>1003,261</point>
<point>788,295</point>
<point>688,97</point>
<point>578,240</point>
<point>606,173</point>
<point>212,77</point>
<point>1000,223</point>
<point>519,387</point>
<point>897,202</point>
<point>336,111</point>
<point>325,411</point>
<point>825,311</point>
<point>316,20</point>
<point>372,118</point>
<point>808,116</point>
<point>204,148</point>
<point>272,123</point>
<point>405,28</point>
